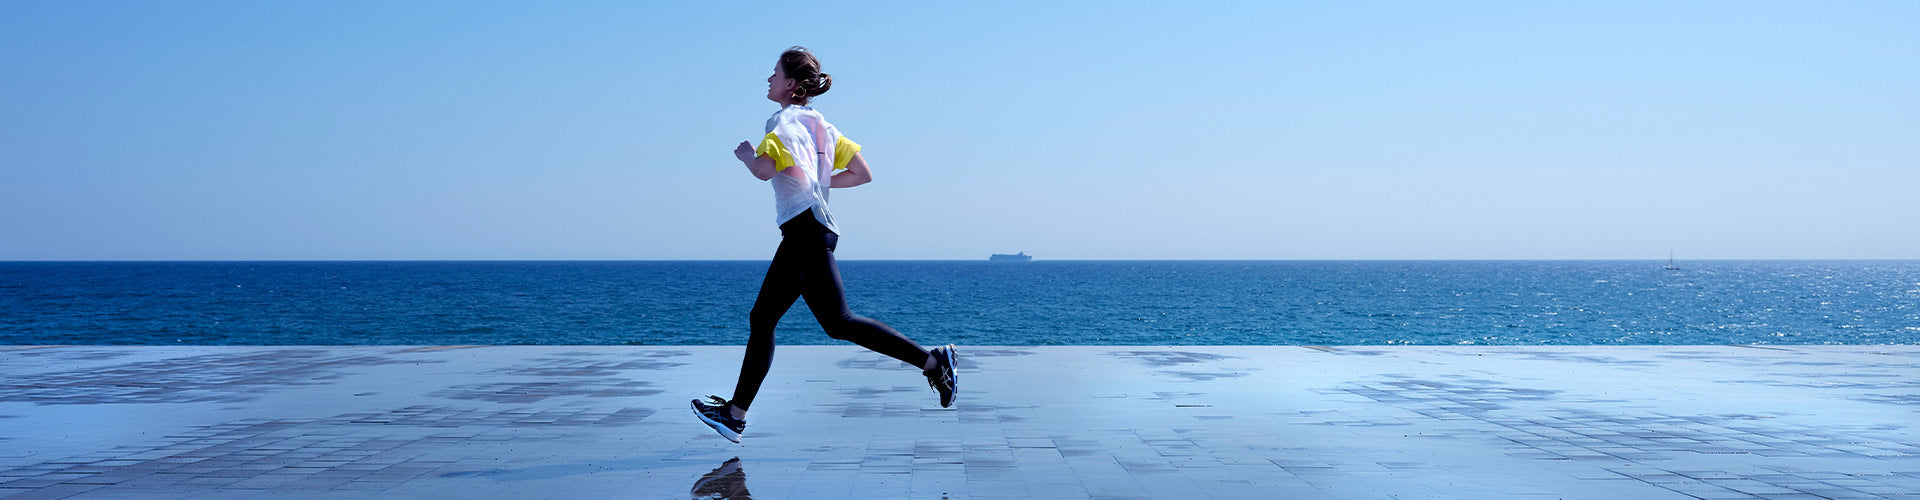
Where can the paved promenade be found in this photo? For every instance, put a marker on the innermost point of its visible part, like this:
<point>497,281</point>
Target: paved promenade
<point>1031,422</point>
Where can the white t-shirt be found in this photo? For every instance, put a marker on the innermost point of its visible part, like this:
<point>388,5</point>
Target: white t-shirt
<point>806,150</point>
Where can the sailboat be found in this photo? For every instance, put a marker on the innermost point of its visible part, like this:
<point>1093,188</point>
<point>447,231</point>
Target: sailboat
<point>1670,266</point>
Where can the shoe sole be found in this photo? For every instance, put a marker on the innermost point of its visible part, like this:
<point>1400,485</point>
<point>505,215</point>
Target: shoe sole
<point>717,427</point>
<point>953,374</point>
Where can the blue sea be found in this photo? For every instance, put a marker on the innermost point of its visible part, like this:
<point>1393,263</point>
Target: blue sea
<point>970,303</point>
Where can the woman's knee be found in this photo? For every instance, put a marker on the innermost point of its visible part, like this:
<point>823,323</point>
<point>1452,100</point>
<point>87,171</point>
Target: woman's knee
<point>836,331</point>
<point>841,328</point>
<point>760,319</point>
<point>845,327</point>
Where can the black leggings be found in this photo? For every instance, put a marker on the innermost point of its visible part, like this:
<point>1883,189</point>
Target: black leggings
<point>804,267</point>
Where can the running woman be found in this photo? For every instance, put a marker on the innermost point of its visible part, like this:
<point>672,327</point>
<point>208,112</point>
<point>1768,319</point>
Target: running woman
<point>804,156</point>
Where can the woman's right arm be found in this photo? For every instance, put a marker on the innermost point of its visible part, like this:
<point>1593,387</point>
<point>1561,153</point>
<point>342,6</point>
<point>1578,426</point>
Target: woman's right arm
<point>857,173</point>
<point>760,166</point>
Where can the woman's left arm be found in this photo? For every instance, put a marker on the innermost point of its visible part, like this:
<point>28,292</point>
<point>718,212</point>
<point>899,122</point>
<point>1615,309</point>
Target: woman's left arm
<point>857,173</point>
<point>761,167</point>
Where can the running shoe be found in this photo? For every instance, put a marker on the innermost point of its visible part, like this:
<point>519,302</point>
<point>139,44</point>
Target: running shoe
<point>715,413</point>
<point>942,377</point>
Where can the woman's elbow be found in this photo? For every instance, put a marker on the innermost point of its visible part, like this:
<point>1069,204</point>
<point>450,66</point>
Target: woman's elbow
<point>764,171</point>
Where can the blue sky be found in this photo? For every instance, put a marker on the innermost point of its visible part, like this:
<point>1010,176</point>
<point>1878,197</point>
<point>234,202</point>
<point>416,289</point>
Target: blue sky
<point>1259,130</point>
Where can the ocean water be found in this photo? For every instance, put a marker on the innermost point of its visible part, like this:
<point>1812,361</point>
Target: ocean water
<point>976,303</point>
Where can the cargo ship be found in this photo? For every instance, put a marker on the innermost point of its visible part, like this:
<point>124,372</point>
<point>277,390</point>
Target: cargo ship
<point>1018,257</point>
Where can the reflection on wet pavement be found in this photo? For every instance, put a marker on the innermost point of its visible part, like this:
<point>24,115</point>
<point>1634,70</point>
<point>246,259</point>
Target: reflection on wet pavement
<point>1033,422</point>
<point>726,482</point>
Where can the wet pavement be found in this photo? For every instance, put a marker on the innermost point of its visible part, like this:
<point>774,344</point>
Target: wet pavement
<point>1031,422</point>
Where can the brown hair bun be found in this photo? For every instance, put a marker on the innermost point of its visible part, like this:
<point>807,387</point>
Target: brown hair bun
<point>802,67</point>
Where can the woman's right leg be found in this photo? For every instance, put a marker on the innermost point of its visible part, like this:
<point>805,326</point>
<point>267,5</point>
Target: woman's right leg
<point>827,296</point>
<point>777,293</point>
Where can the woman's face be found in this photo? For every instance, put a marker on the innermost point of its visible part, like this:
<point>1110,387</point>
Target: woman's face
<point>779,87</point>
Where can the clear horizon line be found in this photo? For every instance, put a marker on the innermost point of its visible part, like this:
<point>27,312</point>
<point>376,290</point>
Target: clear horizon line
<point>1487,259</point>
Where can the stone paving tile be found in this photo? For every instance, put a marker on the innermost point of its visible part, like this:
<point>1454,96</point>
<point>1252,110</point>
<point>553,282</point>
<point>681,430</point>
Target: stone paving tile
<point>1032,422</point>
